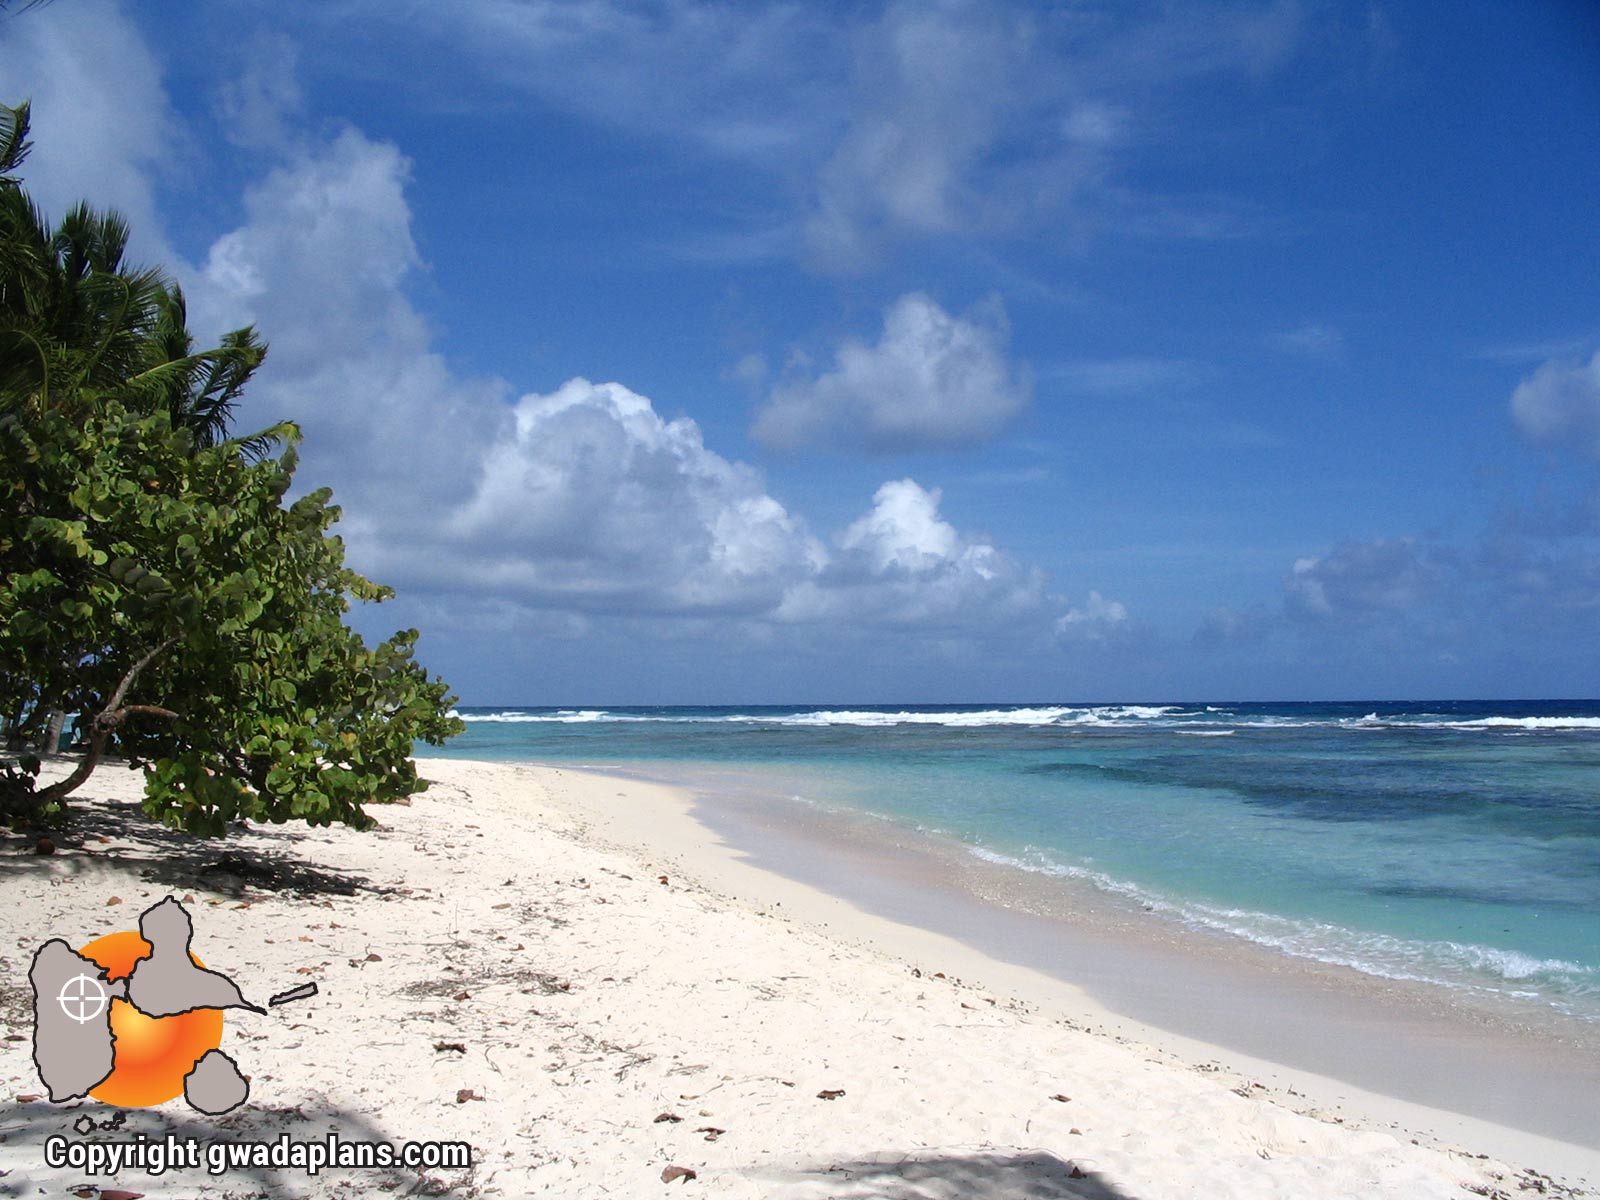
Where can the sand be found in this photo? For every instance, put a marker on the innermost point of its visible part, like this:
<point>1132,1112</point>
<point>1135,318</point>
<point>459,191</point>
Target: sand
<point>571,974</point>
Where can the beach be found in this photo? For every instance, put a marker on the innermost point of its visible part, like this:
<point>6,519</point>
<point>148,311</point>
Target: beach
<point>602,995</point>
<point>947,601</point>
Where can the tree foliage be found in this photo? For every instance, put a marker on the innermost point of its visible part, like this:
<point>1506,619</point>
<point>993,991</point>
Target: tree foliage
<point>153,574</point>
<point>76,317</point>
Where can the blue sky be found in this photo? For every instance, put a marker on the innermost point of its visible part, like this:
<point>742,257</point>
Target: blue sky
<point>676,352</point>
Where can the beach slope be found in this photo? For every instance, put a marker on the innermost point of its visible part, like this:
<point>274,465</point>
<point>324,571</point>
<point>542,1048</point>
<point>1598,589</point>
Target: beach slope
<point>548,965</point>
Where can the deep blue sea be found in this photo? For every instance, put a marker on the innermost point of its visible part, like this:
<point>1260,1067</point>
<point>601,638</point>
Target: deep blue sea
<point>1451,842</point>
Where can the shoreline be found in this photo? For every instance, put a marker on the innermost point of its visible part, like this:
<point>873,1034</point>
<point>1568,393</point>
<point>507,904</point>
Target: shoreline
<point>889,897</point>
<point>502,962</point>
<point>1409,1039</point>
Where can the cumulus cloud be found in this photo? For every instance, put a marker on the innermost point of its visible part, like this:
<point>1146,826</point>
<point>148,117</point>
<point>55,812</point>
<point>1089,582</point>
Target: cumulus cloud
<point>931,380</point>
<point>592,500</point>
<point>1097,620</point>
<point>1358,579</point>
<point>582,501</point>
<point>563,510</point>
<point>584,498</point>
<point>904,532</point>
<point>103,128</point>
<point>320,264</point>
<point>1559,404</point>
<point>594,504</point>
<point>902,564</point>
<point>335,220</point>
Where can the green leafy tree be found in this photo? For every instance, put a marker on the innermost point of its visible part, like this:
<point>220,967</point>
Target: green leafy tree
<point>152,574</point>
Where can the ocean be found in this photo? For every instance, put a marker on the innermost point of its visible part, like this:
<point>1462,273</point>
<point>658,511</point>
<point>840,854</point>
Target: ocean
<point>1454,844</point>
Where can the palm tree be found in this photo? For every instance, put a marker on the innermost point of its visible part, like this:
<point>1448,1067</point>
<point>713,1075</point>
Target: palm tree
<point>198,389</point>
<point>13,140</point>
<point>78,323</point>
<point>21,8</point>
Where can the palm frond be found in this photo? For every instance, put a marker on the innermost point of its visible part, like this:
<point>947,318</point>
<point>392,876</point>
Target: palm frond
<point>14,144</point>
<point>76,318</point>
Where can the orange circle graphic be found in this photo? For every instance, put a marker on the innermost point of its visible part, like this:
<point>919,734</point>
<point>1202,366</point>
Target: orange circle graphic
<point>153,1054</point>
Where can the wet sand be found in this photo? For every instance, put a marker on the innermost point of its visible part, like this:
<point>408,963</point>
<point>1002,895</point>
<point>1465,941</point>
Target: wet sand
<point>600,992</point>
<point>1370,1040</point>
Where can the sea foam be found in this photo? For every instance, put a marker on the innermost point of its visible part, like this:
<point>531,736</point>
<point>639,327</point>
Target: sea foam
<point>1210,721</point>
<point>1448,964</point>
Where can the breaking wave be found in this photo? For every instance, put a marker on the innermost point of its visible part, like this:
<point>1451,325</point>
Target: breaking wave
<point>976,718</point>
<point>1208,721</point>
<point>1461,965</point>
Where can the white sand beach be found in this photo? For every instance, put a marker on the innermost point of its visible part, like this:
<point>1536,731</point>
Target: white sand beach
<point>570,973</point>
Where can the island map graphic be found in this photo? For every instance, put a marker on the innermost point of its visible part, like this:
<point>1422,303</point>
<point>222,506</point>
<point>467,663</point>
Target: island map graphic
<point>74,1046</point>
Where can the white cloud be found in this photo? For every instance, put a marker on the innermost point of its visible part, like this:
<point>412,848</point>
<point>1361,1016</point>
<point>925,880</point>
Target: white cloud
<point>592,500</point>
<point>335,220</point>
<point>1357,579</point>
<point>1560,404</point>
<point>583,501</point>
<point>902,564</point>
<point>1312,340</point>
<point>1097,620</point>
<point>921,120</point>
<point>903,532</point>
<point>564,510</point>
<point>320,265</point>
<point>261,105</point>
<point>932,380</point>
<point>939,93</point>
<point>103,128</point>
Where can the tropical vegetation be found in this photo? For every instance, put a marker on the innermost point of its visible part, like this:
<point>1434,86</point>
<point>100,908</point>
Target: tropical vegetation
<point>155,575</point>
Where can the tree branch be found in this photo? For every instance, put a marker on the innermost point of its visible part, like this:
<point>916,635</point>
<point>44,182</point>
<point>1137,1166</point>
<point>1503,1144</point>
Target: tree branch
<point>100,729</point>
<point>128,710</point>
<point>133,671</point>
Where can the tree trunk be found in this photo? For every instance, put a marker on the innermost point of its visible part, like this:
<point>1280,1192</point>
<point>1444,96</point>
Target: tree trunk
<point>50,745</point>
<point>100,729</point>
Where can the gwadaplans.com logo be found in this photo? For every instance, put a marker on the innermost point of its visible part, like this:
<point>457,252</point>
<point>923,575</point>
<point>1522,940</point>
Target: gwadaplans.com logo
<point>135,1020</point>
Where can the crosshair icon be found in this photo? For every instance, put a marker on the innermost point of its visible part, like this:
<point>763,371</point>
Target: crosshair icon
<point>82,998</point>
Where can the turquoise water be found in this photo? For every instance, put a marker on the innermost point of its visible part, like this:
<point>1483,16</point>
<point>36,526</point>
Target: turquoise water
<point>1454,843</point>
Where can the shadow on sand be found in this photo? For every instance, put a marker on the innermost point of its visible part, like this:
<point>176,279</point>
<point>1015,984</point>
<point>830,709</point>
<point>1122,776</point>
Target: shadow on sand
<point>1027,1175</point>
<point>115,839</point>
